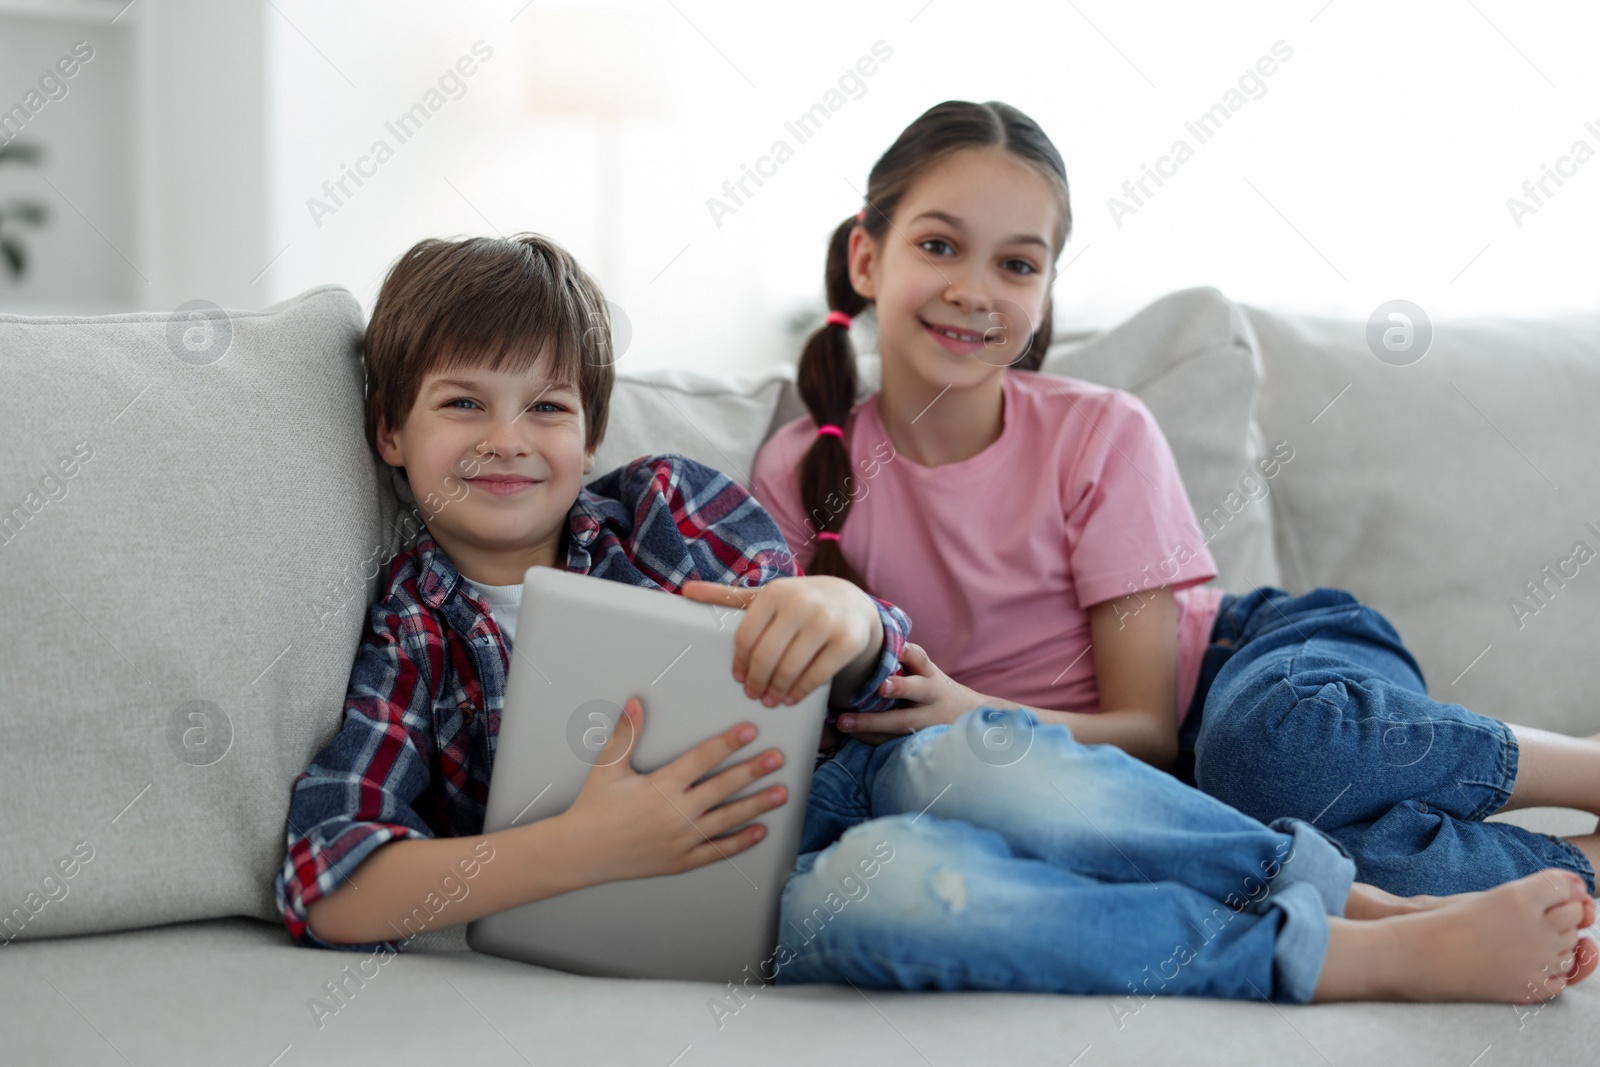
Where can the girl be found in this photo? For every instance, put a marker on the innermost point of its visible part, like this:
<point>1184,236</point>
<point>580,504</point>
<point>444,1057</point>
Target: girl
<point>1009,513</point>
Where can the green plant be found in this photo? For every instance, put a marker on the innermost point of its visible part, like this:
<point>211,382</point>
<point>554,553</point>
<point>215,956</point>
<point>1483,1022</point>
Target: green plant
<point>19,213</point>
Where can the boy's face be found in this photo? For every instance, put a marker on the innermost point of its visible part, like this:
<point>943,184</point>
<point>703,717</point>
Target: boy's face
<point>495,461</point>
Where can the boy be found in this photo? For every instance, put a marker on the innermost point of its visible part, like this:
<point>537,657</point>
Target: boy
<point>489,373</point>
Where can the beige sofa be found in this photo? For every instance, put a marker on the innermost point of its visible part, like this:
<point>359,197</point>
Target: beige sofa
<point>190,522</point>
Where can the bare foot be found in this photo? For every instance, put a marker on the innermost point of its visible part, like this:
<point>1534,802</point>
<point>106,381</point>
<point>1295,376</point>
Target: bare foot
<point>1367,902</point>
<point>1517,943</point>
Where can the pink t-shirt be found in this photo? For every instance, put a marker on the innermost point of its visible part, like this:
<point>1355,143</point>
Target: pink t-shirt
<point>996,558</point>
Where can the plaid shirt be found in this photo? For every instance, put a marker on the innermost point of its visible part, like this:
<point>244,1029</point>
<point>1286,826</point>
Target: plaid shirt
<point>413,756</point>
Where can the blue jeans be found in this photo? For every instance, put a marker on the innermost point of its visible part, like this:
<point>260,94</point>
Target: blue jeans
<point>1309,707</point>
<point>998,853</point>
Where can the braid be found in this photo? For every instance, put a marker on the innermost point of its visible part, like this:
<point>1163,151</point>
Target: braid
<point>827,383</point>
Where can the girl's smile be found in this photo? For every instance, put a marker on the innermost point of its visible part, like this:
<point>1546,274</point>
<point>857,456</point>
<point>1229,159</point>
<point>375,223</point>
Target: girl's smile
<point>961,341</point>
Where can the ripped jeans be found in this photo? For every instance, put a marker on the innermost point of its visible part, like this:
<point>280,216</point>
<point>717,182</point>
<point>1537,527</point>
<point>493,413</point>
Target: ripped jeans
<point>998,853</point>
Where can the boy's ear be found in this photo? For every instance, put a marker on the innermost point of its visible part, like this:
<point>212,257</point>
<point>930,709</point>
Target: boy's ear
<point>863,257</point>
<point>588,461</point>
<point>388,447</point>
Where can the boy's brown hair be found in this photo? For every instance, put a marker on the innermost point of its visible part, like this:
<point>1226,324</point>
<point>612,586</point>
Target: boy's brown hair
<point>487,302</point>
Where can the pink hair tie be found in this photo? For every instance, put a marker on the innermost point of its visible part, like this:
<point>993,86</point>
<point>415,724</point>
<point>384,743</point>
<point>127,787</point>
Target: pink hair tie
<point>837,318</point>
<point>827,535</point>
<point>830,428</point>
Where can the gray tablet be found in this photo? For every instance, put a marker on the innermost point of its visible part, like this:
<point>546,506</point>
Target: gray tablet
<point>584,645</point>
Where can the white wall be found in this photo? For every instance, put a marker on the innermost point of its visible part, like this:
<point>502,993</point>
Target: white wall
<point>156,163</point>
<point>203,165</point>
<point>1376,165</point>
<point>85,258</point>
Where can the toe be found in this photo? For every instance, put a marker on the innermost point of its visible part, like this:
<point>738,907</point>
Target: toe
<point>1572,879</point>
<point>1550,887</point>
<point>1566,916</point>
<point>1584,958</point>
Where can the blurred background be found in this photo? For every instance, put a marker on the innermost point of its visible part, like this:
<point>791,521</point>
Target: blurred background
<point>241,151</point>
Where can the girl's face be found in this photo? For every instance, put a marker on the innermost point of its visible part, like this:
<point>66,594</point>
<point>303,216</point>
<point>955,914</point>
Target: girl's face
<point>962,276</point>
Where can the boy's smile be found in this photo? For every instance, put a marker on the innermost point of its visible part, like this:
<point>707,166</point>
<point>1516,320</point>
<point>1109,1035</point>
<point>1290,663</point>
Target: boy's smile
<point>495,460</point>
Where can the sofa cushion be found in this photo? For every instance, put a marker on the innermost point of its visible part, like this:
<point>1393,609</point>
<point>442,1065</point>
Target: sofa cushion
<point>720,420</point>
<point>188,510</point>
<point>1458,494</point>
<point>236,992</point>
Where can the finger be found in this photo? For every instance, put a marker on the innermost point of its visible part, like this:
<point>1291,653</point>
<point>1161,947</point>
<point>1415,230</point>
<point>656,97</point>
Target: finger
<point>893,721</point>
<point>721,848</point>
<point>718,593</point>
<point>695,763</point>
<point>722,785</point>
<point>910,687</point>
<point>809,646</point>
<point>758,615</point>
<point>917,663</point>
<point>819,671</point>
<point>613,756</point>
<point>725,817</point>
<point>769,651</point>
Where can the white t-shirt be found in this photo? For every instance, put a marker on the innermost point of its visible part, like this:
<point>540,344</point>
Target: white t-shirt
<point>504,602</point>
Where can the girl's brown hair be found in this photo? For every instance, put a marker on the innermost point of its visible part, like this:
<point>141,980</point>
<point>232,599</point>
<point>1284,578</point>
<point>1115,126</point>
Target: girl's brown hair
<point>827,373</point>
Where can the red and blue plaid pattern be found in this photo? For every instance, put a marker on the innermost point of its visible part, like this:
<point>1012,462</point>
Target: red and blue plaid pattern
<point>412,758</point>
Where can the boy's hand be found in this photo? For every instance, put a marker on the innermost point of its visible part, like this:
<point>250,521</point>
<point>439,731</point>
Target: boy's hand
<point>634,825</point>
<point>935,696</point>
<point>797,633</point>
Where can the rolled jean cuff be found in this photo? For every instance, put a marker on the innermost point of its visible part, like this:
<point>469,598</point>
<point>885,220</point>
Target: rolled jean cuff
<point>1500,791</point>
<point>1302,944</point>
<point>1317,861</point>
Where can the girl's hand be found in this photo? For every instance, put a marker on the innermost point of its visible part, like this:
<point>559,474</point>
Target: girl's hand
<point>937,698</point>
<point>797,633</point>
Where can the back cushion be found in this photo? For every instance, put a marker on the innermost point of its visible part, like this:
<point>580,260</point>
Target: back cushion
<point>1191,358</point>
<point>188,513</point>
<point>719,420</point>
<point>1440,491</point>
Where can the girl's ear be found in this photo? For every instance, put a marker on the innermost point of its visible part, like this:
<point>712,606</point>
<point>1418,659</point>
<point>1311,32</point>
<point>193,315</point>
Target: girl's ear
<point>863,259</point>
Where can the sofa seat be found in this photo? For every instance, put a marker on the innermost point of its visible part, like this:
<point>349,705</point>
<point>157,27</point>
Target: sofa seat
<point>234,991</point>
